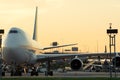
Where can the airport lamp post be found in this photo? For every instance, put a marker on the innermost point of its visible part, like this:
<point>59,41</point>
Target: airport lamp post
<point>1,32</point>
<point>112,32</point>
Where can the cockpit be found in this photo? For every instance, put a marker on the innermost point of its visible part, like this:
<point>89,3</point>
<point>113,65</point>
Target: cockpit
<point>13,31</point>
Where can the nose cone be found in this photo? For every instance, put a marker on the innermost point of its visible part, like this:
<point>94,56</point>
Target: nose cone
<point>16,55</point>
<point>12,50</point>
<point>15,38</point>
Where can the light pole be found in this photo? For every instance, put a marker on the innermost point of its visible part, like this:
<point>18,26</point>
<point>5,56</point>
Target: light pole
<point>112,42</point>
<point>1,32</point>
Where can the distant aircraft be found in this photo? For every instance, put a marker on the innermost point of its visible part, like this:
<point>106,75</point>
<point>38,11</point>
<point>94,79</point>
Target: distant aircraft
<point>20,50</point>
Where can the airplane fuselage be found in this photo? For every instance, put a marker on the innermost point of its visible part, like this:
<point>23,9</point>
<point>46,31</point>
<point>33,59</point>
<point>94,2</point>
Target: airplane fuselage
<point>15,47</point>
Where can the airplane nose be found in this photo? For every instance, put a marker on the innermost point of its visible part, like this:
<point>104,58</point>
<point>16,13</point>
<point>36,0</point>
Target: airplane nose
<point>17,55</point>
<point>16,40</point>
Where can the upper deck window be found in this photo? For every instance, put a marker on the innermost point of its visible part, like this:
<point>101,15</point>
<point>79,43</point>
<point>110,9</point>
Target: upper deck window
<point>13,31</point>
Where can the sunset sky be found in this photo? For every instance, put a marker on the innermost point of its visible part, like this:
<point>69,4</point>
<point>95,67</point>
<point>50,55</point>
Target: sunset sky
<point>65,21</point>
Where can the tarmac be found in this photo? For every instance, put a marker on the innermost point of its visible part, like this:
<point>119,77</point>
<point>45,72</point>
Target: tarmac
<point>70,74</point>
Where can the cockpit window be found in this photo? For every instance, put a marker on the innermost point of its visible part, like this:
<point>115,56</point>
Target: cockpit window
<point>13,31</point>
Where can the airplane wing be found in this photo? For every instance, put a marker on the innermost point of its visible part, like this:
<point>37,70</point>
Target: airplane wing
<point>46,48</point>
<point>58,46</point>
<point>51,56</point>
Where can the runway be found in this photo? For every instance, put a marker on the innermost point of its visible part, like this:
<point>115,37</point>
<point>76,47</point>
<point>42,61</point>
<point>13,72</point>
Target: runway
<point>72,74</point>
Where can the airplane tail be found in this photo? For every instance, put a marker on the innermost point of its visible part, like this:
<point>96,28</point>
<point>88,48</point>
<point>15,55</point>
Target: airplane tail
<point>35,25</point>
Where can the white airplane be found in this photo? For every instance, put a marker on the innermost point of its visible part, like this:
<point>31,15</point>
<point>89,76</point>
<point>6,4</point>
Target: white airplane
<point>19,49</point>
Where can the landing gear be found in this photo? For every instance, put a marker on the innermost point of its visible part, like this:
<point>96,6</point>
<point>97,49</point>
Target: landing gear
<point>3,73</point>
<point>49,73</point>
<point>2,69</point>
<point>34,72</point>
<point>17,71</point>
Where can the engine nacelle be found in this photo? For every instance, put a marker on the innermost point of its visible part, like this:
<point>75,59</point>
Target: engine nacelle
<point>116,61</point>
<point>76,64</point>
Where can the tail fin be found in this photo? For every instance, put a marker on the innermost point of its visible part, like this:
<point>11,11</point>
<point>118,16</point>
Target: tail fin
<point>35,25</point>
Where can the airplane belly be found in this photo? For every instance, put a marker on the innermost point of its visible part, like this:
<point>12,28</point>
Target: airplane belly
<point>17,56</point>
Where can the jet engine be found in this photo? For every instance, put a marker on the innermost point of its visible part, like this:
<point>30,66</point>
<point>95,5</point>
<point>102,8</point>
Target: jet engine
<point>116,61</point>
<point>76,63</point>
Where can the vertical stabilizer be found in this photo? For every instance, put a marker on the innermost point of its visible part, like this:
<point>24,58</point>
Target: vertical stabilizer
<point>35,25</point>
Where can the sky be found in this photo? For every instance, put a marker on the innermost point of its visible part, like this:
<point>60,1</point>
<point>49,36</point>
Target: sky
<point>66,21</point>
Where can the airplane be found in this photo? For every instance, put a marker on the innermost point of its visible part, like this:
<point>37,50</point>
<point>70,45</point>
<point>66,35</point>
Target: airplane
<point>20,50</point>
